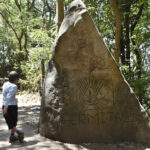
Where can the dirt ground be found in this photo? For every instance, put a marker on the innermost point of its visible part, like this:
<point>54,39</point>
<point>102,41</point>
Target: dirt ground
<point>29,109</point>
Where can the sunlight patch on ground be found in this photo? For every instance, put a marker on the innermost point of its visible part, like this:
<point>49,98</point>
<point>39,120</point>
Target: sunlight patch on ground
<point>75,147</point>
<point>3,126</point>
<point>28,99</point>
<point>4,143</point>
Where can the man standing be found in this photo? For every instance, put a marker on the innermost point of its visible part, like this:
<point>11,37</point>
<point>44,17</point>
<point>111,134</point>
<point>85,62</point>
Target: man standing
<point>9,106</point>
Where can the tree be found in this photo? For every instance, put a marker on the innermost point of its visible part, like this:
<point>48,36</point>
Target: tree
<point>28,38</point>
<point>117,12</point>
<point>9,11</point>
<point>59,13</point>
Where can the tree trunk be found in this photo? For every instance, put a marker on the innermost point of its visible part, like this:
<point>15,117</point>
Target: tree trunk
<point>122,49</point>
<point>3,58</point>
<point>43,70</point>
<point>25,45</point>
<point>59,13</point>
<point>127,38</point>
<point>118,29</point>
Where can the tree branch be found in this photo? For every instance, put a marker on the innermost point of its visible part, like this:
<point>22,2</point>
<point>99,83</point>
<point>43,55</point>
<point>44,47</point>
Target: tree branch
<point>6,20</point>
<point>18,5</point>
<point>21,35</point>
<point>49,8</point>
<point>137,18</point>
<point>47,4</point>
<point>32,5</point>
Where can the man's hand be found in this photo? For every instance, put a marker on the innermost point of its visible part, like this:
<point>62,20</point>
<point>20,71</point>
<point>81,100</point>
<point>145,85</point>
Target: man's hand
<point>5,111</point>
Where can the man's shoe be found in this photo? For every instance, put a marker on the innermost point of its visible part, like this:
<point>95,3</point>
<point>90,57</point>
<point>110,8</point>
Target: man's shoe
<point>13,139</point>
<point>21,136</point>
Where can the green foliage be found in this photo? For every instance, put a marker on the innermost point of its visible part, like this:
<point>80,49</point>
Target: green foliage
<point>26,36</point>
<point>140,86</point>
<point>32,67</point>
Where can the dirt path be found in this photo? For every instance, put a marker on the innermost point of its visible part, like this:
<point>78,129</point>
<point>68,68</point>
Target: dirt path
<point>29,108</point>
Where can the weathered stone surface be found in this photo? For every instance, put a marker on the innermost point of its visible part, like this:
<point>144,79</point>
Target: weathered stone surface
<point>85,97</point>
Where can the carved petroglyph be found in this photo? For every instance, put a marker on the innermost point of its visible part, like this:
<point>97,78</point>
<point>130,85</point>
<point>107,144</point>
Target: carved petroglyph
<point>95,92</point>
<point>99,118</point>
<point>89,87</point>
<point>81,43</point>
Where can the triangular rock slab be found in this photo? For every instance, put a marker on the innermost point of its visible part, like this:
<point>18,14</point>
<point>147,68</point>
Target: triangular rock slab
<point>85,97</point>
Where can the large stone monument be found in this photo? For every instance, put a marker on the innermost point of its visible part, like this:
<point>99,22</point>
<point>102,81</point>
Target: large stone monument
<point>85,97</point>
